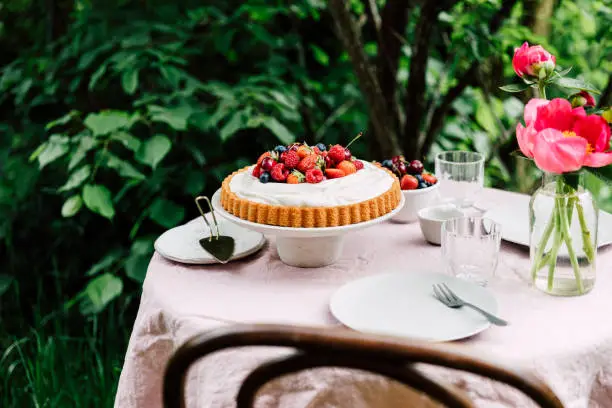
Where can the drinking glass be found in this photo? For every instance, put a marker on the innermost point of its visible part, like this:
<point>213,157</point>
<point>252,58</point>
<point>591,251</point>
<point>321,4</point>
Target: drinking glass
<point>470,247</point>
<point>461,177</point>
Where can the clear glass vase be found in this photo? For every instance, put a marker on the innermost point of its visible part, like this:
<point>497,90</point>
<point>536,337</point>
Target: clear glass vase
<point>563,236</point>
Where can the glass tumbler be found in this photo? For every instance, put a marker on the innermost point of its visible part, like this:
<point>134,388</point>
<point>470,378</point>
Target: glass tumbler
<point>470,247</point>
<point>461,176</point>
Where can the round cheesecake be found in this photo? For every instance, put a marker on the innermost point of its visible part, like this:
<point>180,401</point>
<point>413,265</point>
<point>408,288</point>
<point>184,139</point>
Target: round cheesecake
<point>362,196</point>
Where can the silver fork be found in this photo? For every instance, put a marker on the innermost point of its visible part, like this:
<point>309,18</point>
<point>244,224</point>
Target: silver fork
<point>450,299</point>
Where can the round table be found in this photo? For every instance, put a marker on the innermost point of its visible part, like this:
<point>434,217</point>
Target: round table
<point>566,341</point>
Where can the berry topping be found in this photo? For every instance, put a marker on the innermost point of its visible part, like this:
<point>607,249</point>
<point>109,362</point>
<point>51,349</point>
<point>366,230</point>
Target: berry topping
<point>334,173</point>
<point>280,149</point>
<point>264,177</point>
<point>409,182</point>
<point>321,147</point>
<point>347,167</point>
<point>263,156</point>
<point>308,163</point>
<point>358,164</point>
<point>387,163</point>
<point>328,162</point>
<point>291,159</point>
<point>347,154</point>
<point>401,167</point>
<point>429,178</point>
<point>268,163</point>
<point>314,176</point>
<point>257,171</point>
<point>304,151</point>
<point>336,153</point>
<point>415,167</point>
<point>293,179</point>
<point>279,173</point>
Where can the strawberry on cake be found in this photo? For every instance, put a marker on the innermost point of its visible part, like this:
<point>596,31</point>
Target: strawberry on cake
<point>310,186</point>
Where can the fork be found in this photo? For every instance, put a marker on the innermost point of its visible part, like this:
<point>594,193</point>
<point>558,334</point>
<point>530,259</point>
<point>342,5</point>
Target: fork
<point>450,299</point>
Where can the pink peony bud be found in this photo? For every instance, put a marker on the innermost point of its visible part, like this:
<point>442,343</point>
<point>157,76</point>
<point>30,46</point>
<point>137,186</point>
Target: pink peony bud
<point>582,98</point>
<point>533,61</point>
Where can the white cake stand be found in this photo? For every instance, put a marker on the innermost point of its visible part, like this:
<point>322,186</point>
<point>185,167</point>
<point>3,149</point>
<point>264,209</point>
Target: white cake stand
<point>304,247</point>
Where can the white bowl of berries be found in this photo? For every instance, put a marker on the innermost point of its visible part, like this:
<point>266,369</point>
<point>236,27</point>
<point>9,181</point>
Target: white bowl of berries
<point>420,188</point>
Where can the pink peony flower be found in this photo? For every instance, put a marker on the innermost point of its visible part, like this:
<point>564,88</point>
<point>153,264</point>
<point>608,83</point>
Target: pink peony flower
<point>530,60</point>
<point>562,139</point>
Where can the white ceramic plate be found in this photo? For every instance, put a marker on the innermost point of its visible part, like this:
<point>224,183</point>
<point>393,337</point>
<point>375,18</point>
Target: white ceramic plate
<point>514,219</point>
<point>181,244</point>
<point>402,304</point>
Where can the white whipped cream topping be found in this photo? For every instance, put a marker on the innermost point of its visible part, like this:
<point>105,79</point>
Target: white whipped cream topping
<point>367,183</point>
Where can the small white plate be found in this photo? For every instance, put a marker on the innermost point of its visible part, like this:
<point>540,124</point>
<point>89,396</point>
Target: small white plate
<point>514,219</point>
<point>181,244</point>
<point>402,304</point>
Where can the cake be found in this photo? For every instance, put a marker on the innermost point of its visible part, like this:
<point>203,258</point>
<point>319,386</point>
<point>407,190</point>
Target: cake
<point>302,186</point>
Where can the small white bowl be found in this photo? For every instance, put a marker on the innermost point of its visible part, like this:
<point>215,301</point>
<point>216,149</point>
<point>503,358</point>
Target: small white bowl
<point>416,200</point>
<point>432,218</point>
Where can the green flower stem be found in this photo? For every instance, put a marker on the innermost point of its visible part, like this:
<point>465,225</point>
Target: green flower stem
<point>537,261</point>
<point>552,262</point>
<point>542,89</point>
<point>587,243</point>
<point>568,241</point>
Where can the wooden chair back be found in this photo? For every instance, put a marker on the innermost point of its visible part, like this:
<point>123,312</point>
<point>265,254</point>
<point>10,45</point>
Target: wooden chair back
<point>322,347</point>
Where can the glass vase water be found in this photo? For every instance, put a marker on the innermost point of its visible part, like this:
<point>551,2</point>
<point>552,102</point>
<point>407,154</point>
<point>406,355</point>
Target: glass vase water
<point>563,218</point>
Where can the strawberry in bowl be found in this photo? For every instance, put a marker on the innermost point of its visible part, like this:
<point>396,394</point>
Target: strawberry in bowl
<point>420,188</point>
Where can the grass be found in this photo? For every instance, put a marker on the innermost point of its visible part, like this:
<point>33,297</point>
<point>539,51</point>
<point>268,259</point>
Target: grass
<point>61,359</point>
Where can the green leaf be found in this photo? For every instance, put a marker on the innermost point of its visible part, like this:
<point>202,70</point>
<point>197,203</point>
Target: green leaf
<point>105,263</point>
<point>136,267</point>
<point>129,81</point>
<point>602,173</point>
<point>485,118</point>
<point>138,261</point>
<point>513,107</point>
<point>37,152</point>
<point>564,72</point>
<point>86,143</point>
<point>72,206</point>
<point>514,88</point>
<point>99,292</point>
<point>108,121</point>
<point>127,139</point>
<point>166,213</point>
<point>175,117</point>
<point>236,122</point>
<point>152,151</point>
<point>55,148</point>
<point>76,178</point>
<point>280,131</point>
<point>320,55</point>
<point>98,199</point>
<point>97,76</point>
<point>63,120</point>
<point>195,182</point>
<point>5,283</point>
<point>574,83</point>
<point>124,168</point>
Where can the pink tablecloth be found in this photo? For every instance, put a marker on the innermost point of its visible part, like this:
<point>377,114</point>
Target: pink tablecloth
<point>567,341</point>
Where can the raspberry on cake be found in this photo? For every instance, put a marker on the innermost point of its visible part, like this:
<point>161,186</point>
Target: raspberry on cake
<point>324,188</point>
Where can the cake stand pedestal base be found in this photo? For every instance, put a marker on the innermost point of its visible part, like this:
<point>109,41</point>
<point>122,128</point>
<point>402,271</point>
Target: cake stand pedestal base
<point>309,252</point>
<point>304,247</point>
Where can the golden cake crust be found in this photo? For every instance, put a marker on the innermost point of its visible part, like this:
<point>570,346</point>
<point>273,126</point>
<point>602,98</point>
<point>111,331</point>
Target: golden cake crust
<point>310,217</point>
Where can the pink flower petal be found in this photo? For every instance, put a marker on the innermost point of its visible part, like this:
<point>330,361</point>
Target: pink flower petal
<point>531,109</point>
<point>579,112</point>
<point>595,130</point>
<point>525,136</point>
<point>598,159</point>
<point>558,154</point>
<point>557,115</point>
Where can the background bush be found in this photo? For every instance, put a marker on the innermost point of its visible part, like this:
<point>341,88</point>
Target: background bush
<point>116,114</point>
